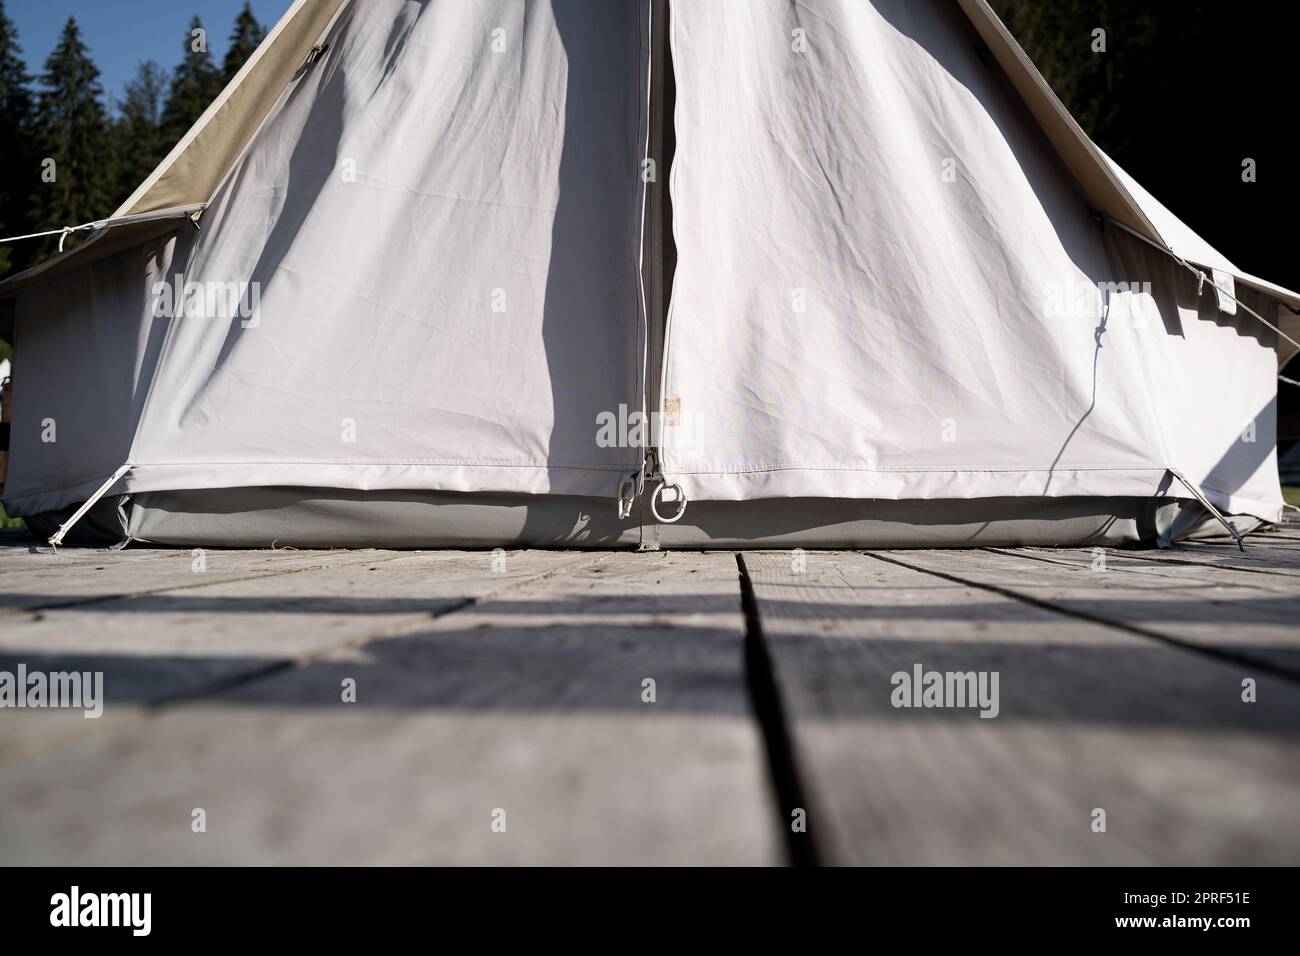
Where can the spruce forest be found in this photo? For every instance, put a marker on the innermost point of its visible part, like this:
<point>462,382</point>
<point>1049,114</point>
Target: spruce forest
<point>71,152</point>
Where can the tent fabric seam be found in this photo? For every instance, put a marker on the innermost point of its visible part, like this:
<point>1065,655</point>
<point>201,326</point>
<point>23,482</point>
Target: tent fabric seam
<point>383,461</point>
<point>919,469</point>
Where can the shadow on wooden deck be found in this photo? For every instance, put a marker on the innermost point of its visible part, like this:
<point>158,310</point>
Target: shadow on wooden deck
<point>624,708</point>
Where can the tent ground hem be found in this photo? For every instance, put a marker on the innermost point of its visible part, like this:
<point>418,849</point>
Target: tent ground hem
<point>324,517</point>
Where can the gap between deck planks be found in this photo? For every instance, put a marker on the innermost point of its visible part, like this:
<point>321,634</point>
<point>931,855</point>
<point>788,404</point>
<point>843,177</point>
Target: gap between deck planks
<point>1225,613</point>
<point>528,700</point>
<point>275,740</point>
<point>1091,717</point>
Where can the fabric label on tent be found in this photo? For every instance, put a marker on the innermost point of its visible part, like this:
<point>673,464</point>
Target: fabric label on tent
<point>672,410</point>
<point>1224,291</point>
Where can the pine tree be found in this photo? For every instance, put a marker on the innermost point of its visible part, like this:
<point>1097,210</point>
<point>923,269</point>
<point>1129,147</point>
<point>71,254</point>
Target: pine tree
<point>17,170</point>
<point>72,140</point>
<point>248,34</point>
<point>1099,56</point>
<point>139,145</point>
<point>195,83</point>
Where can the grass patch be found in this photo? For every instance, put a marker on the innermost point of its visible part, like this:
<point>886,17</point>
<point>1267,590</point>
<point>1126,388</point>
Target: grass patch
<point>8,522</point>
<point>1291,494</point>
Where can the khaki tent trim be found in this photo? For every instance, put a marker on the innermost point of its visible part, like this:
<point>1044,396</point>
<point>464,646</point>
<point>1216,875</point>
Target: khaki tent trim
<point>195,167</point>
<point>189,175</point>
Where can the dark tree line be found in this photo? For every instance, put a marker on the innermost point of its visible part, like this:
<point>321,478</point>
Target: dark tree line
<point>1181,95</point>
<point>1116,66</point>
<point>66,156</point>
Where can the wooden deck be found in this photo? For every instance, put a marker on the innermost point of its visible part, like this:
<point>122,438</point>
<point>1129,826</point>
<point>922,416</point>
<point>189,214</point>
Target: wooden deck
<point>502,711</point>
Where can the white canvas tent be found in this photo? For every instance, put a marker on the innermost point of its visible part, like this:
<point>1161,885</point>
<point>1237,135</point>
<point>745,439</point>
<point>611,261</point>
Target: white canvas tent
<point>409,282</point>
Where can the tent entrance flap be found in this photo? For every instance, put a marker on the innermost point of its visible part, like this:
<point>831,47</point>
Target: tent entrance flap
<point>811,266</point>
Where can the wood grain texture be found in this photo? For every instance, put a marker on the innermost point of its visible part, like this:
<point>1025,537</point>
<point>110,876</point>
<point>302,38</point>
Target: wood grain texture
<point>1153,566</point>
<point>514,681</point>
<point>1090,717</point>
<point>1250,617</point>
<point>1258,558</point>
<point>529,701</point>
<point>38,579</point>
<point>182,632</point>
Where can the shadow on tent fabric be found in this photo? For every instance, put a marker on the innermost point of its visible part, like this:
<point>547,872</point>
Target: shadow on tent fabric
<point>1053,185</point>
<point>1241,459</point>
<point>1098,332</point>
<point>310,167</point>
<point>590,272</point>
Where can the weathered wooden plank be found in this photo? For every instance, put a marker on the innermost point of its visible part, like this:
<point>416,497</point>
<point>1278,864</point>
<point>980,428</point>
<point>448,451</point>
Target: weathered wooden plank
<point>160,644</point>
<point>1252,623</point>
<point>1259,557</point>
<point>39,578</point>
<point>1156,566</point>
<point>1088,717</point>
<point>530,702</point>
<point>249,614</point>
<point>1262,550</point>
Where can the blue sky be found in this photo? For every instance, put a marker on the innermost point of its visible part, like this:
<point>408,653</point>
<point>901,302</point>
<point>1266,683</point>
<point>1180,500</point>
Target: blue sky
<point>123,33</point>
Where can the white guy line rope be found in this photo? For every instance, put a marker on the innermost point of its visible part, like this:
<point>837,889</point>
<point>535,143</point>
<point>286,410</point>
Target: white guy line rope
<point>1197,493</point>
<point>174,212</point>
<point>1201,277</point>
<point>99,224</point>
<point>57,538</point>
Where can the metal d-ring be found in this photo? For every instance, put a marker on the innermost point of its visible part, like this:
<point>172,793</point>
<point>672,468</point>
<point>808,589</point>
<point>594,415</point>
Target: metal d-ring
<point>657,496</point>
